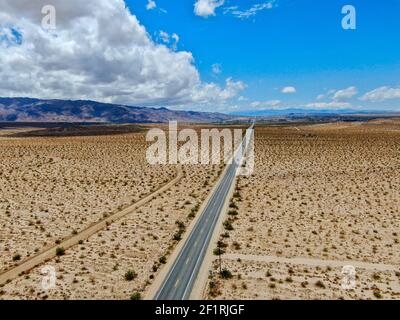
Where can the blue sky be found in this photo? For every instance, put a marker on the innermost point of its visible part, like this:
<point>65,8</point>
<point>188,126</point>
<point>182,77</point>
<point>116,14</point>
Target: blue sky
<point>209,55</point>
<point>297,43</point>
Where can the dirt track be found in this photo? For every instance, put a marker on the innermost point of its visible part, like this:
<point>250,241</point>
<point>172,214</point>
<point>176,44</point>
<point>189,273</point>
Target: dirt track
<point>50,252</point>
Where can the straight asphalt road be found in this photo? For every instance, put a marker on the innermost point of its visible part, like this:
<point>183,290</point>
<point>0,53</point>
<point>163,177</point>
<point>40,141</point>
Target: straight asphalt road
<point>179,282</point>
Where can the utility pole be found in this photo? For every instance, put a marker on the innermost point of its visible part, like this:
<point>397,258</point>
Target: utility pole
<point>220,259</point>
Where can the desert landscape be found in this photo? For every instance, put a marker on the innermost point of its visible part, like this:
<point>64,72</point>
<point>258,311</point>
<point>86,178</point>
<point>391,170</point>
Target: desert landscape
<point>53,188</point>
<point>209,150</point>
<point>321,197</point>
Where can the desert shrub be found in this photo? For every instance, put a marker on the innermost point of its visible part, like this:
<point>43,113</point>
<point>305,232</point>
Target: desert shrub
<point>233,213</point>
<point>221,244</point>
<point>228,225</point>
<point>136,296</point>
<point>226,274</point>
<point>130,275</point>
<point>376,276</point>
<point>163,260</point>
<point>177,236</point>
<point>236,245</point>
<point>181,229</point>
<point>16,257</point>
<point>218,251</point>
<point>191,215</point>
<point>180,225</point>
<point>233,205</point>
<point>213,286</point>
<point>60,251</point>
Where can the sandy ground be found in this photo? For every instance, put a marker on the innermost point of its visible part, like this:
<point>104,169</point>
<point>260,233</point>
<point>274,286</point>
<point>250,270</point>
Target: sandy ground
<point>328,192</point>
<point>117,173</point>
<point>52,188</point>
<point>286,281</point>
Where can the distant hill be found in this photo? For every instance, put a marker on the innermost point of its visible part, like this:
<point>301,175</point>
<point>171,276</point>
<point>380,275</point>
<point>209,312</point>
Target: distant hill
<point>37,110</point>
<point>305,112</point>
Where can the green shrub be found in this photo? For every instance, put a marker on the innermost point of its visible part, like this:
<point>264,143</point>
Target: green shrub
<point>130,275</point>
<point>226,274</point>
<point>177,236</point>
<point>191,215</point>
<point>233,213</point>
<point>218,251</point>
<point>136,296</point>
<point>228,225</point>
<point>16,257</point>
<point>60,251</point>
<point>233,205</point>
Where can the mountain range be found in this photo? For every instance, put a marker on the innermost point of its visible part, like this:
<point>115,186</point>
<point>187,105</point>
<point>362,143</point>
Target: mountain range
<point>38,110</point>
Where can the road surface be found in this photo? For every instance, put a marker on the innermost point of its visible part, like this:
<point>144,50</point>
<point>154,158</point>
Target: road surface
<point>179,282</point>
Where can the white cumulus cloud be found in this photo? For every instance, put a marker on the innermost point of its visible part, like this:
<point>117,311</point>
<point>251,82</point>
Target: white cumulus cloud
<point>151,5</point>
<point>164,36</point>
<point>288,90</point>
<point>345,94</point>
<point>206,8</point>
<point>250,12</point>
<point>211,90</point>
<point>168,39</point>
<point>382,94</point>
<point>100,51</point>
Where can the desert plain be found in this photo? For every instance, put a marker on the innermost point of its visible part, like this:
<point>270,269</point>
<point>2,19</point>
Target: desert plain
<point>54,188</point>
<point>322,197</point>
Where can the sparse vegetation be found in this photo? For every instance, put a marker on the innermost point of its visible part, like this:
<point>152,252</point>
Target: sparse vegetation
<point>60,251</point>
<point>136,296</point>
<point>226,274</point>
<point>228,225</point>
<point>130,275</point>
<point>17,257</point>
